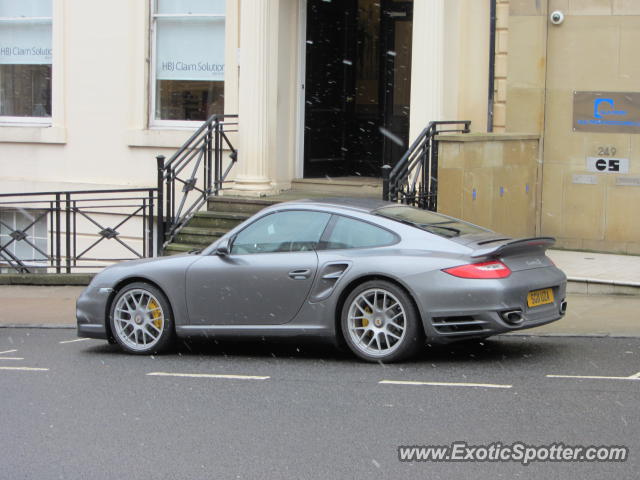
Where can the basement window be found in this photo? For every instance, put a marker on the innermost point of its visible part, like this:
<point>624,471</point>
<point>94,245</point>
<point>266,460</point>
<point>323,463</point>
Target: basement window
<point>23,237</point>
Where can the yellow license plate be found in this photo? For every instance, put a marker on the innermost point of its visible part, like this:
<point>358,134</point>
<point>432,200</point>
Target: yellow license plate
<point>540,297</point>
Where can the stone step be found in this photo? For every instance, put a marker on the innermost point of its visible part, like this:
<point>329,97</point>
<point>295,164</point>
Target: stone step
<point>198,236</point>
<point>343,187</point>
<point>218,220</point>
<point>176,248</point>
<point>239,204</point>
<point>209,232</point>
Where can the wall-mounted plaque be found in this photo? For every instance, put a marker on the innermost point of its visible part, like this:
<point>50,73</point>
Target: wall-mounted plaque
<point>606,112</point>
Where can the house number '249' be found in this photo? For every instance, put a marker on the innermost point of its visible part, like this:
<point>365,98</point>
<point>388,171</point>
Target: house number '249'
<point>607,151</point>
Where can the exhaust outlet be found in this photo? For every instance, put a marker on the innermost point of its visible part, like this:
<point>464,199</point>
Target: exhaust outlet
<point>563,307</point>
<point>513,317</point>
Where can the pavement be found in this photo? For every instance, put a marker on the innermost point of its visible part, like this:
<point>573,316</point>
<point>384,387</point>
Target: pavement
<point>603,298</point>
<point>599,273</point>
<point>43,306</point>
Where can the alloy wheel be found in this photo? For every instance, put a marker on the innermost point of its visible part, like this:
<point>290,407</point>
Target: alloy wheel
<point>376,322</point>
<point>139,319</point>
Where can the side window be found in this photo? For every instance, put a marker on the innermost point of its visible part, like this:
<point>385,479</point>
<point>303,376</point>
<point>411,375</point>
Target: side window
<point>292,231</point>
<point>350,233</point>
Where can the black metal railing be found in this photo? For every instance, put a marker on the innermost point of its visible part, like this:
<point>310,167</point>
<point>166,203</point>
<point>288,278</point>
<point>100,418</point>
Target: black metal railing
<point>414,179</point>
<point>86,229</point>
<point>193,174</point>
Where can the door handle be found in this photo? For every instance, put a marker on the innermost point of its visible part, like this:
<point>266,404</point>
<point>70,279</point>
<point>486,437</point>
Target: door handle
<point>301,274</point>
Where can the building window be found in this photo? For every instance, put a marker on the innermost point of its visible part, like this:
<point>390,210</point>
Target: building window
<point>188,66</point>
<point>23,236</point>
<point>25,61</point>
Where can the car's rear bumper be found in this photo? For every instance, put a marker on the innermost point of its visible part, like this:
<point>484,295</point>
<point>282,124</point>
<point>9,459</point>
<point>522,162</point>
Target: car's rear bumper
<point>465,309</point>
<point>451,326</point>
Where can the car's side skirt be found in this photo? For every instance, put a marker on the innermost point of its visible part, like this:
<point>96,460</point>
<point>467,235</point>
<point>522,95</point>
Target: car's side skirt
<point>253,330</point>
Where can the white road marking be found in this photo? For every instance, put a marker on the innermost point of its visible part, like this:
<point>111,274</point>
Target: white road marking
<point>8,351</point>
<point>76,340</point>
<point>209,375</point>
<point>443,384</point>
<point>597,377</point>
<point>25,369</point>
<point>11,358</point>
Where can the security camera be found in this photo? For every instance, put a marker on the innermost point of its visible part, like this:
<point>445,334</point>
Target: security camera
<point>556,17</point>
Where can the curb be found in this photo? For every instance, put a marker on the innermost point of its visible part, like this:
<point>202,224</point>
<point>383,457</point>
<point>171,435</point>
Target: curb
<point>46,279</point>
<point>596,286</point>
<point>38,325</point>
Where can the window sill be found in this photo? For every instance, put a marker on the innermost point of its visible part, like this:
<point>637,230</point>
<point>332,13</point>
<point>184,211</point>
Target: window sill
<point>33,134</point>
<point>162,138</point>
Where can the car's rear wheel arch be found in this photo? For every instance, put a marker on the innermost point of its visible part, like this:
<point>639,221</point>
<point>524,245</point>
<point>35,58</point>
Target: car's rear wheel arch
<point>122,284</point>
<point>354,284</point>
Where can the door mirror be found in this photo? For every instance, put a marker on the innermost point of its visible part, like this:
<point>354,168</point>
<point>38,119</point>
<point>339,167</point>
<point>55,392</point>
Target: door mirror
<point>223,248</point>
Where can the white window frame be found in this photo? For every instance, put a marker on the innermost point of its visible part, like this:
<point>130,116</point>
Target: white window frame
<point>9,121</point>
<point>153,121</point>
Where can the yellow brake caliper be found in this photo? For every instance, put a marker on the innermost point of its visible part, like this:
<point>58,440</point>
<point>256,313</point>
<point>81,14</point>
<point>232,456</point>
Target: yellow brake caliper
<point>365,322</point>
<point>155,313</point>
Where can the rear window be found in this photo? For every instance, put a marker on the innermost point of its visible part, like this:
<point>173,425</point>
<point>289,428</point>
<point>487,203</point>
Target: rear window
<point>431,222</point>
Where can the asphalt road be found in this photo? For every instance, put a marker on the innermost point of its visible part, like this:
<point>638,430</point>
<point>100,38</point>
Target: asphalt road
<point>94,412</point>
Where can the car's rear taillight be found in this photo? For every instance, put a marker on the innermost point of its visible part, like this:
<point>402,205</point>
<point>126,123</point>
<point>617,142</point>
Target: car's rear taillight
<point>480,270</point>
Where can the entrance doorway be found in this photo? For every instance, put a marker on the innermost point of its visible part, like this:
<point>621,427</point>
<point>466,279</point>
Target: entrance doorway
<point>357,86</point>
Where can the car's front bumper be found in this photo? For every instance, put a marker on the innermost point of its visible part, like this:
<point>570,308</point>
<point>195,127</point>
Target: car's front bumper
<point>91,312</point>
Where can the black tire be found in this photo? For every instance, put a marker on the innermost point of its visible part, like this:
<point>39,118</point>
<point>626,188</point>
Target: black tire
<point>393,342</point>
<point>136,330</point>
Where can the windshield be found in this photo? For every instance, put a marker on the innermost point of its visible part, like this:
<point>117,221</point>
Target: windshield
<point>432,222</point>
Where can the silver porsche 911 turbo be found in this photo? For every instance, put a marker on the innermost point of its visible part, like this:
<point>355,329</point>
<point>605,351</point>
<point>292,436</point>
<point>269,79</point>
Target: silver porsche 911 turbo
<point>380,277</point>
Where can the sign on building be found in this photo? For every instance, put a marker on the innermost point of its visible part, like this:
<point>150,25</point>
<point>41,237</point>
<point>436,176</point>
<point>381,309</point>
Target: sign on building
<point>190,48</point>
<point>25,33</point>
<point>607,165</point>
<point>606,112</point>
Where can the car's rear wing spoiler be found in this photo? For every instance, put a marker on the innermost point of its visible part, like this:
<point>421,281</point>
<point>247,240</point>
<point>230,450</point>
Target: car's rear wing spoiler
<point>515,246</point>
